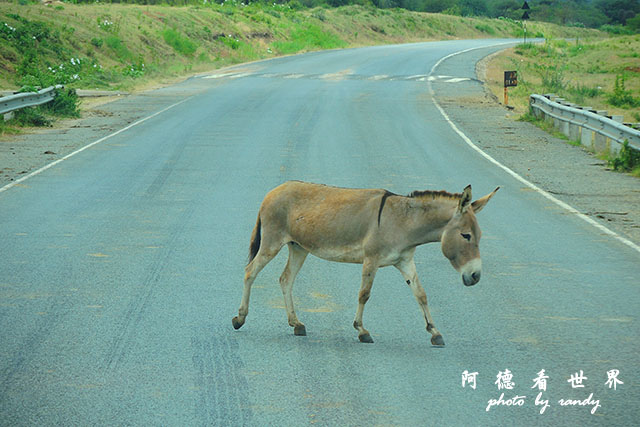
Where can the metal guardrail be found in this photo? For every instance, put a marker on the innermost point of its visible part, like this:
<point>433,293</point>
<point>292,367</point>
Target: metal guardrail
<point>593,130</point>
<point>15,102</point>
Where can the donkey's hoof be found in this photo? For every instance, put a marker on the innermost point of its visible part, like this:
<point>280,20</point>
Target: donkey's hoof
<point>236,323</point>
<point>300,330</point>
<point>437,340</point>
<point>366,338</point>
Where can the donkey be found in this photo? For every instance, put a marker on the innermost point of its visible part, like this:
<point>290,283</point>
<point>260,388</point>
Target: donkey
<point>372,227</point>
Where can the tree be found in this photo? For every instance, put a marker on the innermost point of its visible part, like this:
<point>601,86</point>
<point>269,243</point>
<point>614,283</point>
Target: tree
<point>506,8</point>
<point>618,11</point>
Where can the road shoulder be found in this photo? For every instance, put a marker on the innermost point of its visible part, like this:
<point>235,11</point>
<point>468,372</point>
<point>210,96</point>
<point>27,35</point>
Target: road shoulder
<point>569,173</point>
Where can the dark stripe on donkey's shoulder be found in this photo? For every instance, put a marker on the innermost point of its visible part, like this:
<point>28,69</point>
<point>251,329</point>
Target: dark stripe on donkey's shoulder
<point>382,202</point>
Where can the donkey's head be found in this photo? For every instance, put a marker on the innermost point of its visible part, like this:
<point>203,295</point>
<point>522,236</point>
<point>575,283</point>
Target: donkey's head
<point>461,237</point>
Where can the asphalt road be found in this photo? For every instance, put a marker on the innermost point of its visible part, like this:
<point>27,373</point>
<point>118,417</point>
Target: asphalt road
<point>121,268</point>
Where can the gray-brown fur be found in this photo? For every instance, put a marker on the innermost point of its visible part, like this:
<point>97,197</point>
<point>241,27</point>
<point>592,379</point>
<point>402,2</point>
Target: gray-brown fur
<point>371,227</point>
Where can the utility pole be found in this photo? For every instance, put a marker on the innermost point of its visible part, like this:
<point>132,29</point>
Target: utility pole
<point>524,18</point>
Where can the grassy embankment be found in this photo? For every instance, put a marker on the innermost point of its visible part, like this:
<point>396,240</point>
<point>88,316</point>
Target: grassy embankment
<point>600,73</point>
<point>128,47</point>
<point>583,71</point>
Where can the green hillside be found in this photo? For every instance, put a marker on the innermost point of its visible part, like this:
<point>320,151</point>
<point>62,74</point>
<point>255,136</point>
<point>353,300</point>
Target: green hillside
<point>118,46</point>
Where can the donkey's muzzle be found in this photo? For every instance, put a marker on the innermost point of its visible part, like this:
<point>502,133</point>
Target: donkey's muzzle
<point>471,272</point>
<point>471,279</point>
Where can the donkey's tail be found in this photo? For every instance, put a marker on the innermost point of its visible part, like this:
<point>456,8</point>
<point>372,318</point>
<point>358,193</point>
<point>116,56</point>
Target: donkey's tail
<point>255,240</point>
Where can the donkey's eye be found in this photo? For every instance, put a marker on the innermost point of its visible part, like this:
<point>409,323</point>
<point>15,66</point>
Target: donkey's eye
<point>466,236</point>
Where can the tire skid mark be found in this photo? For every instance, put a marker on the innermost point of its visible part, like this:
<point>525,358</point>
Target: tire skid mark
<point>166,171</point>
<point>220,380</point>
<point>31,347</point>
<point>138,305</point>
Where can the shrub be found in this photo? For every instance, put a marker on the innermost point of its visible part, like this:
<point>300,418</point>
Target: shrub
<point>627,160</point>
<point>622,97</point>
<point>65,103</point>
<point>31,116</point>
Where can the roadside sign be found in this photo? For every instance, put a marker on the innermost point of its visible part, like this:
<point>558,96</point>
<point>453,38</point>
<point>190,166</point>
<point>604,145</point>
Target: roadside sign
<point>510,78</point>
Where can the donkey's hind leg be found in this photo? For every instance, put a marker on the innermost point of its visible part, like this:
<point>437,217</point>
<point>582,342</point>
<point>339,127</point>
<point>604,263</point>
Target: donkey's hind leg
<point>297,255</point>
<point>265,254</point>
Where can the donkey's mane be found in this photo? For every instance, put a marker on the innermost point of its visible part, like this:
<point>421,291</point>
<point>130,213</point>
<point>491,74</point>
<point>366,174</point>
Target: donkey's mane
<point>435,195</point>
<point>428,194</point>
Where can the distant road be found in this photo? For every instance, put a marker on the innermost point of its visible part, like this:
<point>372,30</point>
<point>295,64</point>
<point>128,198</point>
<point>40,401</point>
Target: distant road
<point>121,268</point>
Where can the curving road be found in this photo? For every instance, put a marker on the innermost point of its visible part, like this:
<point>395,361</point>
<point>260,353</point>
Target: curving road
<point>121,268</point>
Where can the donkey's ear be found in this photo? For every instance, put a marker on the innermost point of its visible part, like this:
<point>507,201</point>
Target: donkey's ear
<point>465,200</point>
<point>480,203</point>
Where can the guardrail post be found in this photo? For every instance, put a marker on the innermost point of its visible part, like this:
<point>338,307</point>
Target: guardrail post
<point>574,132</point>
<point>600,143</point>
<point>586,138</point>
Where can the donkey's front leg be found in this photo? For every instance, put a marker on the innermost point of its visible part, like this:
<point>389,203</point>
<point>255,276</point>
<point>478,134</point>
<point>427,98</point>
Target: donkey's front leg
<point>369,269</point>
<point>408,270</point>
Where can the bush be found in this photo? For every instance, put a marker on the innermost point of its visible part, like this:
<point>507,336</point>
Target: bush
<point>31,116</point>
<point>628,159</point>
<point>65,103</point>
<point>616,30</point>
<point>622,97</point>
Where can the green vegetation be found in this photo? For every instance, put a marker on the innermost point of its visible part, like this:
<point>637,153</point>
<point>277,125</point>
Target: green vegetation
<point>128,46</point>
<point>123,46</point>
<point>65,104</point>
<point>628,160</point>
<point>621,97</point>
<point>620,16</point>
<point>547,126</point>
<point>309,37</point>
<point>600,73</point>
<point>180,43</point>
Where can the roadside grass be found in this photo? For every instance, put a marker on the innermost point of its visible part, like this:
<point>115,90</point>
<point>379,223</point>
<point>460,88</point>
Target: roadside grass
<point>599,73</point>
<point>308,37</point>
<point>548,127</point>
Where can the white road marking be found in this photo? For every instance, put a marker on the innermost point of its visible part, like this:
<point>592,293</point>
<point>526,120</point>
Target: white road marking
<point>239,75</point>
<point>62,159</point>
<point>227,75</point>
<point>420,77</point>
<point>457,80</point>
<point>532,186</point>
